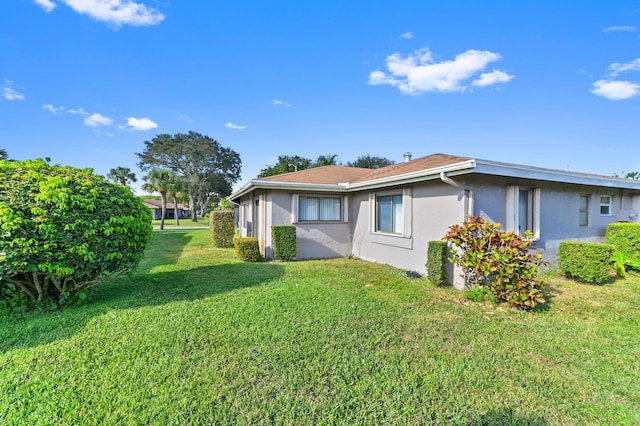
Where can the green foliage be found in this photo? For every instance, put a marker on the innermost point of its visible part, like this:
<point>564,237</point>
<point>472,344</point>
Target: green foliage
<point>207,167</point>
<point>284,242</point>
<point>586,262</point>
<point>437,262</point>
<point>247,249</point>
<point>370,162</point>
<point>326,160</point>
<point>625,237</point>
<point>497,260</point>
<point>222,227</point>
<point>121,175</point>
<point>286,164</point>
<point>3,154</point>
<point>159,180</point>
<point>63,229</point>
<point>618,264</point>
<point>479,294</point>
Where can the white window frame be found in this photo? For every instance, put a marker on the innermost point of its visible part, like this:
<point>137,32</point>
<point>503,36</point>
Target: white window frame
<point>584,213</point>
<point>405,232</point>
<point>295,208</point>
<point>513,209</point>
<point>609,205</point>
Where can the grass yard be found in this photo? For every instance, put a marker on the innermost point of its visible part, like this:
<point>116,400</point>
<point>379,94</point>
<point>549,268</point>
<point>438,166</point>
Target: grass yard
<point>171,223</point>
<point>196,337</point>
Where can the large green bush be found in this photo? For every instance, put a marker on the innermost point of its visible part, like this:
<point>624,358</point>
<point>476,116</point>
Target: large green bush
<point>63,229</point>
<point>437,261</point>
<point>222,227</point>
<point>497,260</point>
<point>586,262</point>
<point>625,237</point>
<point>284,242</point>
<point>247,249</point>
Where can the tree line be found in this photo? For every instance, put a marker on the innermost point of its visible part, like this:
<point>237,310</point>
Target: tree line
<point>294,163</point>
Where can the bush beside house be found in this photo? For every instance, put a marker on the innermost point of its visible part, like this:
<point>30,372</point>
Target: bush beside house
<point>586,262</point>
<point>625,237</point>
<point>248,249</point>
<point>284,242</point>
<point>222,228</point>
<point>437,260</point>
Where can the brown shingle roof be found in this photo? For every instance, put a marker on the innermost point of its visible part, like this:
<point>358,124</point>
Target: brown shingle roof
<point>321,175</point>
<point>342,174</point>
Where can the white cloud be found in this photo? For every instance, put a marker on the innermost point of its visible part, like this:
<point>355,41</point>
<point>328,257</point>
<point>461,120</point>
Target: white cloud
<point>141,123</point>
<point>185,118</point>
<point>9,93</point>
<point>493,77</point>
<point>278,103</point>
<point>115,12</point>
<point>620,28</point>
<point>78,111</point>
<point>52,109</point>
<point>617,68</point>
<point>419,73</point>
<point>615,90</point>
<point>408,35</point>
<point>95,120</point>
<point>235,126</point>
<point>47,5</point>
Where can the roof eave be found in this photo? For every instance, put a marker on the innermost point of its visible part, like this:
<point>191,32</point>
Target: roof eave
<point>561,176</point>
<point>290,186</point>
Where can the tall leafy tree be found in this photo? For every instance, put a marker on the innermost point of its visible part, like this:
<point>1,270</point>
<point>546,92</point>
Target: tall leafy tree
<point>200,160</point>
<point>286,164</point>
<point>3,154</point>
<point>159,180</point>
<point>122,175</point>
<point>370,162</point>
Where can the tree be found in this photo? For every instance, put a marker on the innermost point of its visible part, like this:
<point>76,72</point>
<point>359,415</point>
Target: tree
<point>3,154</point>
<point>122,175</point>
<point>176,185</point>
<point>326,160</point>
<point>198,159</point>
<point>370,162</point>
<point>64,230</point>
<point>286,164</point>
<point>159,180</point>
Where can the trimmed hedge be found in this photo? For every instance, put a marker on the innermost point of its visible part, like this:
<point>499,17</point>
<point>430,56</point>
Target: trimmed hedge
<point>437,261</point>
<point>248,249</point>
<point>586,262</point>
<point>625,237</point>
<point>222,227</point>
<point>284,242</point>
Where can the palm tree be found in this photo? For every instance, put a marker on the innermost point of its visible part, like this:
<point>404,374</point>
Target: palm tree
<point>3,154</point>
<point>122,175</point>
<point>327,160</point>
<point>159,180</point>
<point>176,185</point>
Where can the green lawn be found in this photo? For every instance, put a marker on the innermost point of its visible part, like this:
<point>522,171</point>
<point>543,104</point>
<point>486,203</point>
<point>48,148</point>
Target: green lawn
<point>195,337</point>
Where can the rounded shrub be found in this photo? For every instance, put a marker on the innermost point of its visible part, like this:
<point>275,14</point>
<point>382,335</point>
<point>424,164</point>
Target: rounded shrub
<point>63,229</point>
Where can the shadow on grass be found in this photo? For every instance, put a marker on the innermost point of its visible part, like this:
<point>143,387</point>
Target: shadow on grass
<point>134,291</point>
<point>508,416</point>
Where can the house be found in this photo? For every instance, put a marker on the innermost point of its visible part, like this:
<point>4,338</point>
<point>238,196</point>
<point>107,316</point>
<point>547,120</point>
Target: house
<point>388,215</point>
<point>156,209</point>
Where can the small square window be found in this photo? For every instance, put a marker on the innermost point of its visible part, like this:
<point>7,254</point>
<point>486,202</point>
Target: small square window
<point>605,205</point>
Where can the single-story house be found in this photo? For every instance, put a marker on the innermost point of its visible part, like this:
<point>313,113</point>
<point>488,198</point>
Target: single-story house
<point>388,215</point>
<point>156,209</point>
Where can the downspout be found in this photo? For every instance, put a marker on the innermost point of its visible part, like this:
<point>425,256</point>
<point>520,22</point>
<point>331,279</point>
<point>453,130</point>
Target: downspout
<point>468,193</point>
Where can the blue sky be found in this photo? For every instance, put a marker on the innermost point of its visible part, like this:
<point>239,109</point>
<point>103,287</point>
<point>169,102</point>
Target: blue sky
<point>544,83</point>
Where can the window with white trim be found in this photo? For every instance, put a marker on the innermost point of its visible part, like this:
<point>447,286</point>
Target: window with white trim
<point>319,209</point>
<point>389,214</point>
<point>583,213</point>
<point>523,210</point>
<point>605,205</point>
